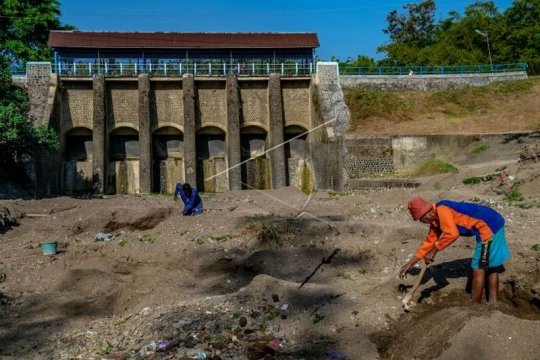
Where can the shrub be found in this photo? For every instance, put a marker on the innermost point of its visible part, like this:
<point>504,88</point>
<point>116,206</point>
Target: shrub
<point>433,166</point>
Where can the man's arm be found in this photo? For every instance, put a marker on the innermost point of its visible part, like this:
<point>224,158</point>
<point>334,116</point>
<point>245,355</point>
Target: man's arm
<point>177,191</point>
<point>422,252</point>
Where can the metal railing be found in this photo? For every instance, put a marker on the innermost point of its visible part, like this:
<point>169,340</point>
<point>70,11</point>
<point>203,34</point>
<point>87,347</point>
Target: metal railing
<point>179,69</point>
<point>433,70</point>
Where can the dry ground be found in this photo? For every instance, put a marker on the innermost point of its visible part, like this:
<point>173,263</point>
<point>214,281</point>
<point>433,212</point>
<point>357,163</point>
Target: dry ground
<point>196,279</point>
<point>497,108</point>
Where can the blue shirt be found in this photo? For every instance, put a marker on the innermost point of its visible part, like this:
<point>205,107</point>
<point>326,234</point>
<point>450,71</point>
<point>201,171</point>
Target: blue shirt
<point>192,204</point>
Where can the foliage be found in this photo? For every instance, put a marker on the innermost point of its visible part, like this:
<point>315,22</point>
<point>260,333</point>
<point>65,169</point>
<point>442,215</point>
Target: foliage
<point>514,194</point>
<point>24,28</point>
<point>416,39</point>
<point>480,148</point>
<point>433,166</point>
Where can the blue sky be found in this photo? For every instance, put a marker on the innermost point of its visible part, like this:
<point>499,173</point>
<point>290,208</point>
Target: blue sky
<point>346,28</point>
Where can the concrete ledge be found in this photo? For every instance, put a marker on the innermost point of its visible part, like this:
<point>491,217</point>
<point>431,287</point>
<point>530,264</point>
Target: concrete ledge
<point>358,184</point>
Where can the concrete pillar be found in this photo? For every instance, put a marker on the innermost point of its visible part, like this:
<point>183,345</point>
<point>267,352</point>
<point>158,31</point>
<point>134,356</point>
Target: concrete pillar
<point>145,136</point>
<point>233,133</point>
<point>190,150</point>
<point>277,156</point>
<point>99,136</point>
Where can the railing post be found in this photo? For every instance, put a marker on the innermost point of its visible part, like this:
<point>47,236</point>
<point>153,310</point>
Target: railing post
<point>165,68</point>
<point>421,70</point>
<point>253,68</point>
<point>442,70</point>
<point>282,69</point>
<point>180,68</point>
<point>74,69</point>
<point>106,68</point>
<point>90,69</point>
<point>121,68</point>
<point>209,68</point>
<point>267,68</point>
<point>296,69</point>
<point>194,68</point>
<point>310,68</point>
<point>380,70</point>
<point>238,68</point>
<point>150,67</point>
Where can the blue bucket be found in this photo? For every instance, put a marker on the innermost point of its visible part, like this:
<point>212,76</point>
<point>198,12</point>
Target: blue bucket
<point>49,248</point>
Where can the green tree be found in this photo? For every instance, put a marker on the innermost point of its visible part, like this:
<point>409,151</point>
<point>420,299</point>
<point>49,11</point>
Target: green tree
<point>24,28</point>
<point>523,39</point>
<point>18,135</point>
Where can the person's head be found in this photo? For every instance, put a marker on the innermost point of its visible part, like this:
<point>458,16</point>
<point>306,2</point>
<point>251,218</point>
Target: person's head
<point>421,210</point>
<point>186,188</point>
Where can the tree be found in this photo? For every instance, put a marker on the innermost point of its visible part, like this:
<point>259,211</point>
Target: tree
<point>24,28</point>
<point>17,133</point>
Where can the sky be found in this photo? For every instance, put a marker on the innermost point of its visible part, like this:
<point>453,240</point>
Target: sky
<point>345,29</point>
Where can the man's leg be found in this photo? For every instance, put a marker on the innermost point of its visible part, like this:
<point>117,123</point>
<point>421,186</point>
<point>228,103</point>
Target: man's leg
<point>478,278</point>
<point>493,285</point>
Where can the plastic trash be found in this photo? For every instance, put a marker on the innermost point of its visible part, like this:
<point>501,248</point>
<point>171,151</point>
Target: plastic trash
<point>201,355</point>
<point>101,236</point>
<point>284,311</point>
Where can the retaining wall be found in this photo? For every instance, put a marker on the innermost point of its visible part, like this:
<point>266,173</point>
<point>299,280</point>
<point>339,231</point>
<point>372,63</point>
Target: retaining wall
<point>425,82</point>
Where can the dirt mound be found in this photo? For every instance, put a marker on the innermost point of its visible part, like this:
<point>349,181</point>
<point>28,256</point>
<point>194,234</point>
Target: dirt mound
<point>452,328</point>
<point>131,219</point>
<point>8,218</point>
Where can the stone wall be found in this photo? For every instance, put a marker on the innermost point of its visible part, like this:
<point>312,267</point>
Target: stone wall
<point>211,104</point>
<point>122,104</point>
<point>368,155</point>
<point>77,105</point>
<point>254,103</point>
<point>166,103</point>
<point>425,82</point>
<point>296,102</point>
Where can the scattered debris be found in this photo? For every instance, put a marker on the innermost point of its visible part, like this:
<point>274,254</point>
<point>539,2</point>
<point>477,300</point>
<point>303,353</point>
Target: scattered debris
<point>101,236</point>
<point>327,260</point>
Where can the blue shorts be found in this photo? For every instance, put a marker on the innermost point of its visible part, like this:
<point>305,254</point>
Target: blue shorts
<point>498,252</point>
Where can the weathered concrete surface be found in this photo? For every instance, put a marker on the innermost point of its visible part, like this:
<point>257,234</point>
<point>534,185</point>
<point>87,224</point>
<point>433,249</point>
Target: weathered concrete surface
<point>99,135</point>
<point>233,133</point>
<point>327,145</point>
<point>190,150</point>
<point>425,82</point>
<point>277,155</point>
<point>145,135</point>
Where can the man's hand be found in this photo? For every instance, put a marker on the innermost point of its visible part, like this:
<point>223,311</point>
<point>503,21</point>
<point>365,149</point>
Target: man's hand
<point>405,269</point>
<point>176,198</point>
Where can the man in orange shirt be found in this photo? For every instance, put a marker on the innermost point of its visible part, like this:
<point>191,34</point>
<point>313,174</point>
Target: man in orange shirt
<point>448,220</point>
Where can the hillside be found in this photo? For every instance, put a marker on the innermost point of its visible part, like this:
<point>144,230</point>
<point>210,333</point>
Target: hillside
<point>497,108</point>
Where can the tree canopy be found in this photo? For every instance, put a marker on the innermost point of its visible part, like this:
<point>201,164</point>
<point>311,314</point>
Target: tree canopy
<point>24,28</point>
<point>415,38</point>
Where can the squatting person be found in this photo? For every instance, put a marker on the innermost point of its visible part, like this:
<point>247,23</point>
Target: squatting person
<point>190,197</point>
<point>448,220</point>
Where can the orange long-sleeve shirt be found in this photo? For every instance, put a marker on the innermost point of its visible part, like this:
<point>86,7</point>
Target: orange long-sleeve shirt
<point>445,229</point>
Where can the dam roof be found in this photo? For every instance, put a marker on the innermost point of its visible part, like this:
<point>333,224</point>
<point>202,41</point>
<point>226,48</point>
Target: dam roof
<point>181,40</point>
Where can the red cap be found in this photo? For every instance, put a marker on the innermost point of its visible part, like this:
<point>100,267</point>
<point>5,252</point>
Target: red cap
<point>418,207</point>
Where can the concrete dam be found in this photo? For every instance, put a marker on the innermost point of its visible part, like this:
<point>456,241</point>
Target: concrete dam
<point>142,134</point>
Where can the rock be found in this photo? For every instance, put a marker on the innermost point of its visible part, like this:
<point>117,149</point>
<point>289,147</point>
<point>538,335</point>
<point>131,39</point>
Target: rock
<point>242,321</point>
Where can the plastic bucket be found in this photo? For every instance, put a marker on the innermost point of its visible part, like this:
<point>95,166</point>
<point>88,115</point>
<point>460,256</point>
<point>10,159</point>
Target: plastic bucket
<point>49,248</point>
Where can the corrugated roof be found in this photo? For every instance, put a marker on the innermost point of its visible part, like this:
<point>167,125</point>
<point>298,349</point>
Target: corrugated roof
<point>176,40</point>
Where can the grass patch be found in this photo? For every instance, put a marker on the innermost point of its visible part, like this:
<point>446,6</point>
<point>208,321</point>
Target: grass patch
<point>480,148</point>
<point>269,236</point>
<point>515,194</point>
<point>317,318</point>
<point>342,274</point>
<point>437,185</point>
<point>146,238</point>
<point>434,166</point>
<point>536,247</point>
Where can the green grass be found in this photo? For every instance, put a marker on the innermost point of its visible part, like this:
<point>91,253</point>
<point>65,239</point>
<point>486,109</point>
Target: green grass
<point>434,166</point>
<point>146,238</point>
<point>480,148</point>
<point>536,247</point>
<point>515,194</point>
<point>317,318</point>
